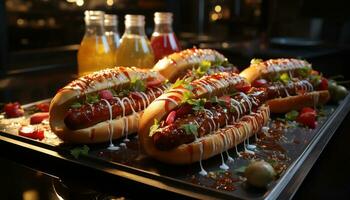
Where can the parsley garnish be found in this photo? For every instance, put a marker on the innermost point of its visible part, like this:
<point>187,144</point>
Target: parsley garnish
<point>190,129</point>
<point>137,85</point>
<point>76,152</point>
<point>153,128</point>
<point>197,104</point>
<point>92,98</point>
<point>76,105</point>
<point>292,115</point>
<point>284,78</point>
<point>256,61</point>
<point>304,72</point>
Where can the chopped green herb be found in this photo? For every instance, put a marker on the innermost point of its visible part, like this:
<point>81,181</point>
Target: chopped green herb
<point>285,78</point>
<point>189,87</point>
<point>153,128</point>
<point>190,129</point>
<point>256,61</point>
<point>113,92</point>
<point>76,152</point>
<point>76,105</point>
<point>198,104</point>
<point>315,79</point>
<point>219,62</point>
<point>181,82</point>
<point>137,85</point>
<point>292,115</point>
<point>304,72</point>
<point>186,96</point>
<point>92,98</point>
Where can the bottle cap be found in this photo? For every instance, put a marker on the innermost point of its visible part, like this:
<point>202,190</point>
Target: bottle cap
<point>94,17</point>
<point>134,20</point>
<point>110,20</point>
<point>163,17</point>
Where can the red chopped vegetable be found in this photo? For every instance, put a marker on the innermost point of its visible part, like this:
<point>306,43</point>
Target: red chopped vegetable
<point>260,83</point>
<point>153,83</point>
<point>105,94</point>
<point>323,84</point>
<point>307,117</point>
<point>13,110</point>
<point>171,117</point>
<point>37,118</point>
<point>43,107</point>
<point>31,132</point>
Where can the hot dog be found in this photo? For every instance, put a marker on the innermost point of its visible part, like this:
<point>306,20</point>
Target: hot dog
<point>197,120</point>
<point>291,84</point>
<point>193,63</point>
<point>103,105</point>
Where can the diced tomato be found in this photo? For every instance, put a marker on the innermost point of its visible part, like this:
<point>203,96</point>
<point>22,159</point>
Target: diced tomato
<point>43,107</point>
<point>307,117</point>
<point>243,88</point>
<point>31,132</point>
<point>323,84</point>
<point>105,94</point>
<point>153,82</point>
<point>260,83</point>
<point>37,118</point>
<point>226,99</point>
<point>13,110</point>
<point>307,109</point>
<point>184,110</point>
<point>171,117</point>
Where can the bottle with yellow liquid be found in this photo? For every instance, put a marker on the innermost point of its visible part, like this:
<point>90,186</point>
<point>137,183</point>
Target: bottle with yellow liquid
<point>111,32</point>
<point>94,52</point>
<point>135,49</point>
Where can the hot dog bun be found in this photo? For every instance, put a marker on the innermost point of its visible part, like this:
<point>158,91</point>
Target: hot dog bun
<point>176,64</point>
<point>114,77</point>
<point>260,69</point>
<point>283,105</point>
<point>214,143</point>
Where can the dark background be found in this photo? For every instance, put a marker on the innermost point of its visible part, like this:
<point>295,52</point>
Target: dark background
<point>39,41</point>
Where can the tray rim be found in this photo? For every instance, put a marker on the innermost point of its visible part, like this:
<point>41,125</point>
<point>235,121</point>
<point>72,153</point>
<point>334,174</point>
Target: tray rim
<point>282,188</point>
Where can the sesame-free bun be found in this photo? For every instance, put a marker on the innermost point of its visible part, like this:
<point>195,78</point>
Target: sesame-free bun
<point>117,77</point>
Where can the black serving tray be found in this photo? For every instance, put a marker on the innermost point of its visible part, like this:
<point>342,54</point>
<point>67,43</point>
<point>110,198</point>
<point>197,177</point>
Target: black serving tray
<point>300,148</point>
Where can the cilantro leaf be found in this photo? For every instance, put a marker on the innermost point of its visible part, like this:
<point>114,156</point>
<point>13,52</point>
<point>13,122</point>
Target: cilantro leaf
<point>190,129</point>
<point>186,96</point>
<point>92,98</point>
<point>76,152</point>
<point>292,115</point>
<point>256,61</point>
<point>198,104</point>
<point>76,105</point>
<point>304,72</point>
<point>137,85</point>
<point>153,128</point>
<point>284,78</point>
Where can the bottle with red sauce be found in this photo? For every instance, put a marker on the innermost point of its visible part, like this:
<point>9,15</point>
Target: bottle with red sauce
<point>163,41</point>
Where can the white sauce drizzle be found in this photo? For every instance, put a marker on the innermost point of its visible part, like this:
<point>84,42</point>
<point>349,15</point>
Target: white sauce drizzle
<point>110,127</point>
<point>202,172</point>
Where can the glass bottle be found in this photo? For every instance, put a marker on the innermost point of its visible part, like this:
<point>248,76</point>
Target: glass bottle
<point>135,49</point>
<point>164,41</point>
<point>111,32</point>
<point>94,52</point>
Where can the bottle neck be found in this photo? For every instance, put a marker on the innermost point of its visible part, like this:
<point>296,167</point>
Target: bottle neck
<point>135,30</point>
<point>111,29</point>
<point>94,29</point>
<point>162,29</point>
